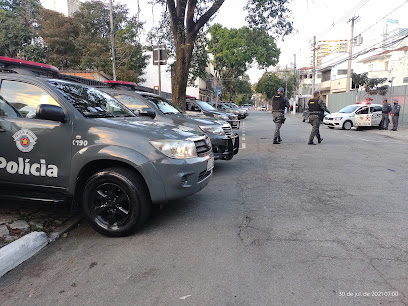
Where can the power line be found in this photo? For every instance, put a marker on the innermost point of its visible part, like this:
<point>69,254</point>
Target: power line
<point>383,17</point>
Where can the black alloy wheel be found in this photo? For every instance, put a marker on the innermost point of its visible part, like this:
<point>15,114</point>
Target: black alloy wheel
<point>116,202</point>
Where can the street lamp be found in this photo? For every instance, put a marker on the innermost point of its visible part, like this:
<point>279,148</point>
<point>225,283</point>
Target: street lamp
<point>391,91</point>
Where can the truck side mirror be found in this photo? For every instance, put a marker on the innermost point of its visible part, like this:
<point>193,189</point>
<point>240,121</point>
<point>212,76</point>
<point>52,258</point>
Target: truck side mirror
<point>148,112</point>
<point>50,112</point>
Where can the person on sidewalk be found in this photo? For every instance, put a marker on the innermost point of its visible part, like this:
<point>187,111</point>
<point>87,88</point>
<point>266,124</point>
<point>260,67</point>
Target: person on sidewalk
<point>395,111</point>
<point>386,108</point>
<point>279,102</point>
<point>316,108</point>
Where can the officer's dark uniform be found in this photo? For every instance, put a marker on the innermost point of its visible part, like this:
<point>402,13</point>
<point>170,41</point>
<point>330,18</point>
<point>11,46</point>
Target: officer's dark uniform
<point>316,108</point>
<point>386,108</point>
<point>279,102</point>
<point>395,111</point>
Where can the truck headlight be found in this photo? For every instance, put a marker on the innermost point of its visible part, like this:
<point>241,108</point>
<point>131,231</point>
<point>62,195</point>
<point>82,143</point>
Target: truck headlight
<point>179,149</point>
<point>212,129</point>
<point>338,118</point>
<point>222,117</point>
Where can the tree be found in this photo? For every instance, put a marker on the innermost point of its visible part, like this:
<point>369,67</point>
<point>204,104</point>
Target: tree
<point>270,82</point>
<point>235,50</point>
<point>371,85</point>
<point>60,34</point>
<point>17,25</point>
<point>189,17</point>
<point>93,40</point>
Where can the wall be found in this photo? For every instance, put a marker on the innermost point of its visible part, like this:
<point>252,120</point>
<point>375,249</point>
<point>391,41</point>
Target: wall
<point>338,101</point>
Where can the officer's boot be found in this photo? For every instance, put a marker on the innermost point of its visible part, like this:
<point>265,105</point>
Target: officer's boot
<point>279,139</point>
<point>275,141</point>
<point>320,139</point>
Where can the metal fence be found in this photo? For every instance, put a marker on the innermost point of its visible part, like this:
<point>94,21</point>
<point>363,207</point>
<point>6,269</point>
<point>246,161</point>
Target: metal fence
<point>335,102</point>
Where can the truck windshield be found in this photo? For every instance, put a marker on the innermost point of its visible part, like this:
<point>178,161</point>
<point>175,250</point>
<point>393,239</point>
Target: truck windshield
<point>91,102</point>
<point>165,106</point>
<point>205,106</point>
<point>349,109</point>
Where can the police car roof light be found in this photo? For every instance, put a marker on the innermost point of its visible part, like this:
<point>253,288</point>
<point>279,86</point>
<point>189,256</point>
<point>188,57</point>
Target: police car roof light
<point>9,60</point>
<point>120,82</point>
<point>191,97</point>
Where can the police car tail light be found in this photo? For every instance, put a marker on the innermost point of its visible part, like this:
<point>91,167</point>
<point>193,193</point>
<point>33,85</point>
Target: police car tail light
<point>120,82</point>
<point>9,60</point>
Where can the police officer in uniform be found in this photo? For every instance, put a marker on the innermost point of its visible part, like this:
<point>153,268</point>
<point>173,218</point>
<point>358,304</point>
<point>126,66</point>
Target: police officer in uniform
<point>386,108</point>
<point>279,102</point>
<point>316,108</point>
<point>395,111</point>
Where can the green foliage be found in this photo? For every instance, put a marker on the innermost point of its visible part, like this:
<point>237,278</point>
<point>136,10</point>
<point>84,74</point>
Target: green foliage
<point>269,15</point>
<point>13,34</point>
<point>371,85</point>
<point>35,51</point>
<point>236,50</point>
<point>270,82</point>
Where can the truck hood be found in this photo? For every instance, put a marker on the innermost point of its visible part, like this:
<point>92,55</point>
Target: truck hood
<point>195,120</point>
<point>150,129</point>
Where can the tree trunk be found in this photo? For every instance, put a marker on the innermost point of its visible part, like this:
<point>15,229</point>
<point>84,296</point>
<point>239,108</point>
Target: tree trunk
<point>180,77</point>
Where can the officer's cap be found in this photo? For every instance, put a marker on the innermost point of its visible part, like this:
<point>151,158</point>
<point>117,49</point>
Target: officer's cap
<point>281,89</point>
<point>395,101</point>
<point>316,92</point>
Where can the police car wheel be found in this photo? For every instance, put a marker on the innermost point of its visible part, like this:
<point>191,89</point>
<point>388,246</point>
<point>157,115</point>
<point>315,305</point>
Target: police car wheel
<point>347,125</point>
<point>116,202</point>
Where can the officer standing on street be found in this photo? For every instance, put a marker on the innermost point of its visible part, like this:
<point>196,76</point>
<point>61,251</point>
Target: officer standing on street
<point>279,102</point>
<point>316,108</point>
<point>395,111</point>
<point>386,108</point>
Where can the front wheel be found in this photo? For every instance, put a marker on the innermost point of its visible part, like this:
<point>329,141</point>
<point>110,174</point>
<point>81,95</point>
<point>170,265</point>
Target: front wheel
<point>347,125</point>
<point>116,202</point>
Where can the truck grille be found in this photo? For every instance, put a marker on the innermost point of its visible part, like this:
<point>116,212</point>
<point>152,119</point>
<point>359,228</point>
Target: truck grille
<point>203,146</point>
<point>227,130</point>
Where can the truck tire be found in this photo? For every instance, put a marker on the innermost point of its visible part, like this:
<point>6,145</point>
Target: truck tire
<point>116,202</point>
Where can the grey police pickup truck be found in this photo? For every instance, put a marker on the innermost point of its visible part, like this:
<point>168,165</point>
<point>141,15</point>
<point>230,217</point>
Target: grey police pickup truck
<point>225,144</point>
<point>64,141</point>
<point>194,106</point>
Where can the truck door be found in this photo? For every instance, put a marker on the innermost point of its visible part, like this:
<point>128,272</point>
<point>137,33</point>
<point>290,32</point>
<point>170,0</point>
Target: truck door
<point>32,151</point>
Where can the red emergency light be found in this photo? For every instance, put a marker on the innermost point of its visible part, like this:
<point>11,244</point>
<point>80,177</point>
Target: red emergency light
<point>120,82</point>
<point>9,60</point>
<point>191,97</point>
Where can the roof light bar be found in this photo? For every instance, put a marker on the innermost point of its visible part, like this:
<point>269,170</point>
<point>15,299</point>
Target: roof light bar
<point>9,60</point>
<point>120,82</point>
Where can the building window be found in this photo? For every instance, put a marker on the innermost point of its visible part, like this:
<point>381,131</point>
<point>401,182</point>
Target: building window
<point>386,65</point>
<point>326,75</point>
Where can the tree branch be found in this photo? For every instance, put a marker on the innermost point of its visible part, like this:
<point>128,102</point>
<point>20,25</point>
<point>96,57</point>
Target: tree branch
<point>192,5</point>
<point>206,17</point>
<point>181,9</point>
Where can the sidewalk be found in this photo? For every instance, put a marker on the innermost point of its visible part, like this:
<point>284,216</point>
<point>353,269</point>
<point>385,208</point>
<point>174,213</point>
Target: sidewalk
<point>400,134</point>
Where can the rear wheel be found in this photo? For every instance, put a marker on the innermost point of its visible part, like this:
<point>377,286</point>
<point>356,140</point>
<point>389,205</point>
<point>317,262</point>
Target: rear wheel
<point>347,125</point>
<point>116,202</point>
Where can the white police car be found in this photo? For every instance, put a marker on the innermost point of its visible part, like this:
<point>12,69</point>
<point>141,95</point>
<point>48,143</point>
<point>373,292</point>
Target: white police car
<point>361,114</point>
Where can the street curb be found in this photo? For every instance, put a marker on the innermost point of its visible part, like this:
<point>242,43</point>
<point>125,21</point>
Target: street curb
<point>27,246</point>
<point>20,250</point>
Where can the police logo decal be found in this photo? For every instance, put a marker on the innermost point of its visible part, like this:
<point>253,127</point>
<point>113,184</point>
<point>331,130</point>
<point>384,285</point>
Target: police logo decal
<point>25,140</point>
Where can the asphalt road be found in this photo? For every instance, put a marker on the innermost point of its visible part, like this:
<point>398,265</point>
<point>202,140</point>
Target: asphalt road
<point>287,224</point>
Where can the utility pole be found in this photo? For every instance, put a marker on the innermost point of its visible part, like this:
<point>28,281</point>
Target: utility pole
<point>314,64</point>
<point>112,35</point>
<point>353,20</point>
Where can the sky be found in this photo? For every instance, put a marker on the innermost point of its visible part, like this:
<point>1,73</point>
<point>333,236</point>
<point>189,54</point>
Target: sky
<point>310,17</point>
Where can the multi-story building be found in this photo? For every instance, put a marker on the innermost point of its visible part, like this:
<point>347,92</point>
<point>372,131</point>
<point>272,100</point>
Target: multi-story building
<point>66,7</point>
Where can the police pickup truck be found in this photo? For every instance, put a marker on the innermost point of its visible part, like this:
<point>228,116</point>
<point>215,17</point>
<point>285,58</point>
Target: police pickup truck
<point>65,141</point>
<point>225,144</point>
<point>194,107</point>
